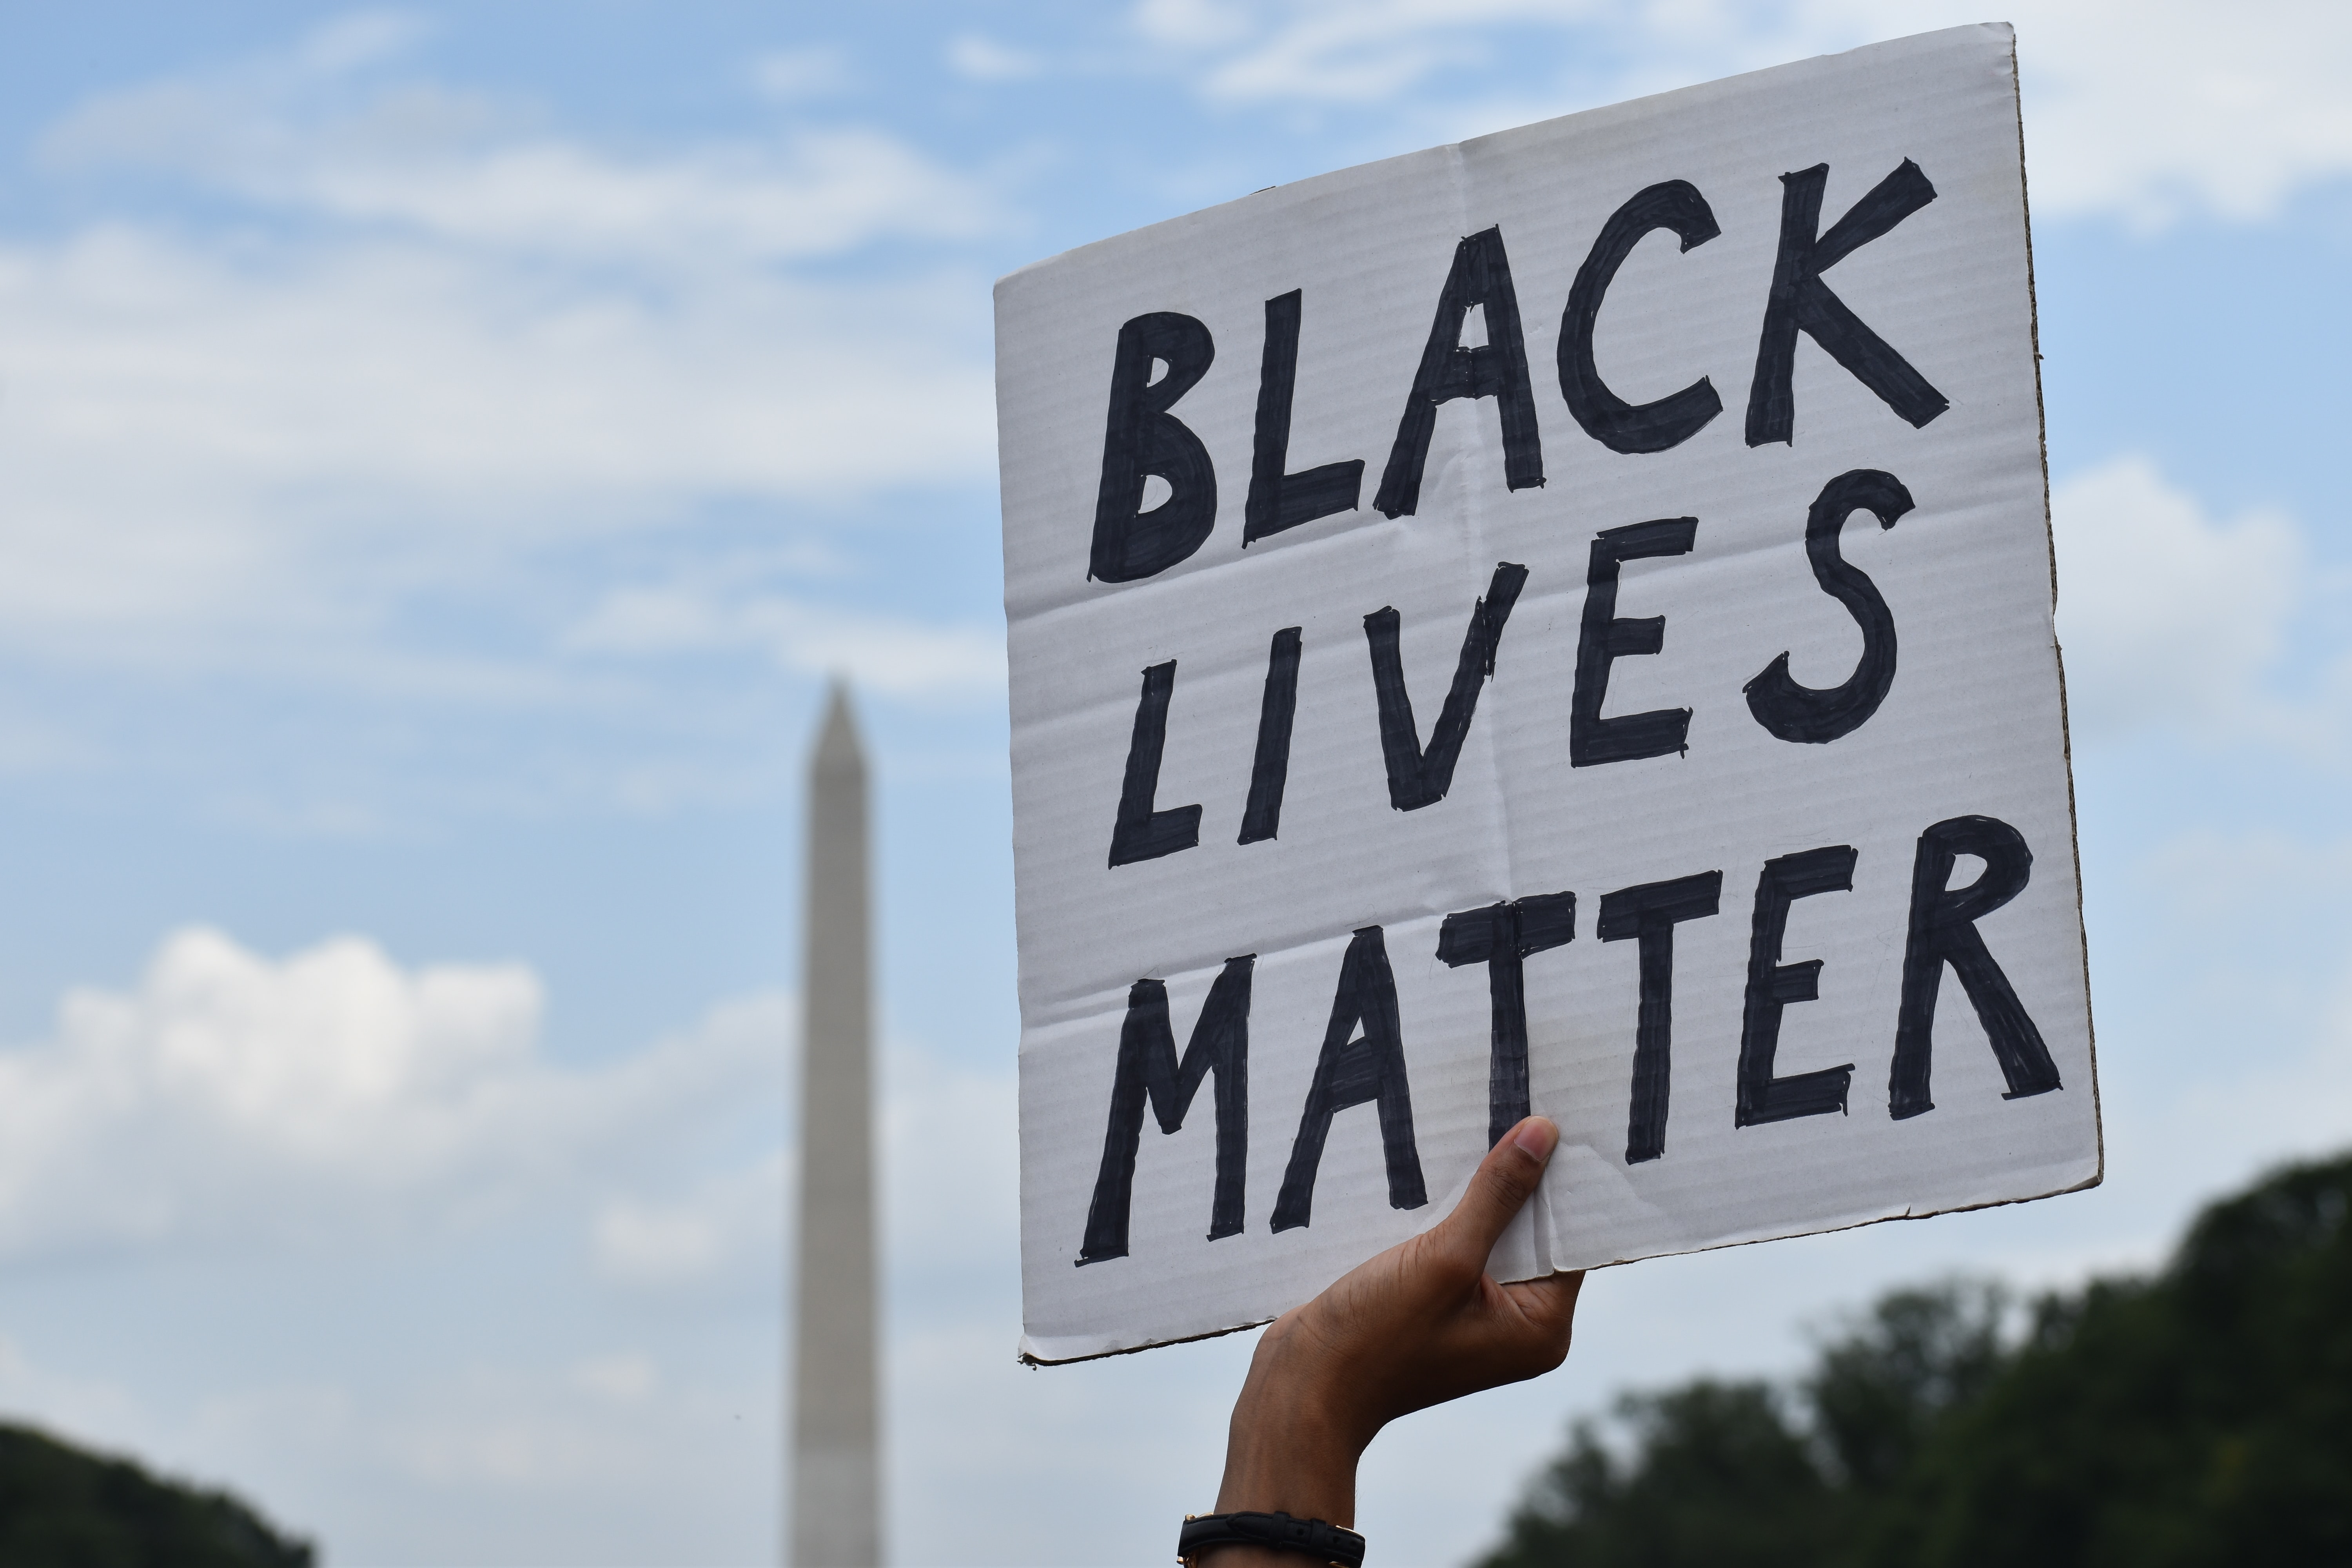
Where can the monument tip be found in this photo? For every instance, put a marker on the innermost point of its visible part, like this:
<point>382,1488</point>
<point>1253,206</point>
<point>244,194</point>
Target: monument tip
<point>837,744</point>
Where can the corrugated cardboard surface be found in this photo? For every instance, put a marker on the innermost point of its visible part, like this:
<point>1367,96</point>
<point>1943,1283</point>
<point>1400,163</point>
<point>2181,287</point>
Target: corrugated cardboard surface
<point>1973,723</point>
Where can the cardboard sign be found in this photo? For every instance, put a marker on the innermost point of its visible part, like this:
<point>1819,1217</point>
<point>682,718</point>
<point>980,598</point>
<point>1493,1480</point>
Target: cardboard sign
<point>1555,624</point>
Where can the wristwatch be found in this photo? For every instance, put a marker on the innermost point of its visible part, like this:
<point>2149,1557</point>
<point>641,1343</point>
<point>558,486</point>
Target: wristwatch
<point>1327,1544</point>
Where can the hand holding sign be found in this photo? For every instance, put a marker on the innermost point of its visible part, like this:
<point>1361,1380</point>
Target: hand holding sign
<point>1421,1323</point>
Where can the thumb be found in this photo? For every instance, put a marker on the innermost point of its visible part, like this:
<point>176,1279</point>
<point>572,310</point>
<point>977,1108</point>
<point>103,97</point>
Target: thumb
<point>1504,1181</point>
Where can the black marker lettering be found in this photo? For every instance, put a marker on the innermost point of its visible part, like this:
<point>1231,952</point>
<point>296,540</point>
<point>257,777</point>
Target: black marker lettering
<point>1418,777</point>
<point>1502,936</point>
<point>1620,425</point>
<point>1601,639</point>
<point>1795,712</point>
<point>1772,984</point>
<point>1943,931</point>
<point>1141,833</point>
<point>1351,1071</point>
<point>1481,276</point>
<point>1148,1069</point>
<point>1142,439</point>
<point>1278,501</point>
<point>1650,913</point>
<point>1800,301</point>
<point>1270,770</point>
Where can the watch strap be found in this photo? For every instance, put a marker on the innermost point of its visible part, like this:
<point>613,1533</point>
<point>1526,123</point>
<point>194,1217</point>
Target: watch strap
<point>1309,1537</point>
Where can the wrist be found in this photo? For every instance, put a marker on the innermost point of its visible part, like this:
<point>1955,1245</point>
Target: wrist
<point>1289,1449</point>
<point>1246,1539</point>
<point>1290,1468</point>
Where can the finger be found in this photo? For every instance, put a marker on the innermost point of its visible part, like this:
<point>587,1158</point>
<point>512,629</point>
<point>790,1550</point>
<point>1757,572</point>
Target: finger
<point>1537,1339</point>
<point>1505,1179</point>
<point>1548,1303</point>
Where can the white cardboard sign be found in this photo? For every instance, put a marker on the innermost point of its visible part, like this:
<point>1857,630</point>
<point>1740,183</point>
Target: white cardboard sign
<point>1560,623</point>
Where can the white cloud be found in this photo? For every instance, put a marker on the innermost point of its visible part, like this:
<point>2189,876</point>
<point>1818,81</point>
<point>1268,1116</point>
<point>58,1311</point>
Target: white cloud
<point>726,1224</point>
<point>360,38</point>
<point>306,133</point>
<point>469,339</point>
<point>205,438</point>
<point>312,1116</point>
<point>229,1098</point>
<point>624,1378</point>
<point>793,76</point>
<point>2157,111</point>
<point>947,1173</point>
<point>825,192</point>
<point>951,1165</point>
<point>2149,110</point>
<point>2168,615</point>
<point>655,1242</point>
<point>233,1099</point>
<point>883,653</point>
<point>1193,24</point>
<point>1350,53</point>
<point>976,58</point>
<point>620,1456</point>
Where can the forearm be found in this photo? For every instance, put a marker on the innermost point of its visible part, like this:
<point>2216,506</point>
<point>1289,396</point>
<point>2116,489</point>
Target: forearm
<point>1287,1450</point>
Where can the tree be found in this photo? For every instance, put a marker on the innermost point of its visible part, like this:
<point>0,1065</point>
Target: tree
<point>63,1508</point>
<point>2201,1416</point>
<point>2204,1416</point>
<point>1718,1475</point>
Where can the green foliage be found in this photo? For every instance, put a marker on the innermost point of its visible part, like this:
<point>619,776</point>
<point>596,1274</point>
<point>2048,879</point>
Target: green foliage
<point>2199,1417</point>
<point>62,1508</point>
<point>1721,1478</point>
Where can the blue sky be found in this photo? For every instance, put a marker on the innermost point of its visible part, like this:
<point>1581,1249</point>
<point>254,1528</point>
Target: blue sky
<point>441,452</point>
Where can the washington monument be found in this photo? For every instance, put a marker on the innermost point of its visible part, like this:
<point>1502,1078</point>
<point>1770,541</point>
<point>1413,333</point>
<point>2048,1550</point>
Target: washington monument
<point>836,1518</point>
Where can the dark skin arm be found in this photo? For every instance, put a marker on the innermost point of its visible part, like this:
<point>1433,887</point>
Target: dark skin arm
<point>1416,1326</point>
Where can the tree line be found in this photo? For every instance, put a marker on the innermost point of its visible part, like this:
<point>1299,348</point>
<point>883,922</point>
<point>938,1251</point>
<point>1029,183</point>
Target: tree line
<point>63,1507</point>
<point>2200,1415</point>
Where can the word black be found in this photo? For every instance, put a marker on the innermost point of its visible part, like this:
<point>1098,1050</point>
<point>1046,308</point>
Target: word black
<point>1143,438</point>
